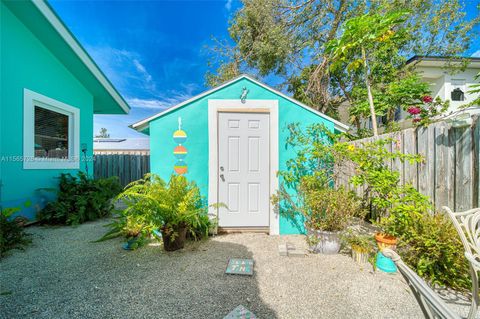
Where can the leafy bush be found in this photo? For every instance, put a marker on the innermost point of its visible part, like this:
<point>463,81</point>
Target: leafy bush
<point>80,199</point>
<point>12,234</point>
<point>432,247</point>
<point>381,185</point>
<point>329,209</point>
<point>427,242</point>
<point>153,204</point>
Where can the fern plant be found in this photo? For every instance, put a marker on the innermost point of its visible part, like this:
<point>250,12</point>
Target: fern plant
<point>12,234</point>
<point>80,199</point>
<point>154,204</point>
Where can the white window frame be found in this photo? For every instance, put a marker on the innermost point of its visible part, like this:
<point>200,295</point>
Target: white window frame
<point>462,86</point>
<point>32,99</point>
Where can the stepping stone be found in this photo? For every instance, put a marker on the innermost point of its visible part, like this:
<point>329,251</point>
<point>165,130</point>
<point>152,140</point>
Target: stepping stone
<point>237,266</point>
<point>283,250</point>
<point>296,253</point>
<point>240,312</point>
<point>290,246</point>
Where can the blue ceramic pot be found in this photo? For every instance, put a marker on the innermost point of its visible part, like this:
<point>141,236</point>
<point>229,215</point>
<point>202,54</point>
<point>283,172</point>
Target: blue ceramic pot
<point>385,264</point>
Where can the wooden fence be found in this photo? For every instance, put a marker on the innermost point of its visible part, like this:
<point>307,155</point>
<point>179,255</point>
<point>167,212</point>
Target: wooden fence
<point>449,174</point>
<point>127,167</point>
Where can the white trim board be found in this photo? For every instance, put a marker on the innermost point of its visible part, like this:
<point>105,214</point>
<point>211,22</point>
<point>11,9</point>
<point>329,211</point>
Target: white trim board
<point>141,125</point>
<point>32,99</point>
<point>213,109</point>
<point>58,25</point>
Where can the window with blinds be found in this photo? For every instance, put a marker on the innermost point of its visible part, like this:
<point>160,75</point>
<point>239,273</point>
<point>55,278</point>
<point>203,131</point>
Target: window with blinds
<point>51,134</point>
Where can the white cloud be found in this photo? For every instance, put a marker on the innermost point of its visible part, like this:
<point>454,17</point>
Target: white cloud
<point>124,68</point>
<point>141,69</point>
<point>147,103</point>
<point>476,54</point>
<point>228,5</point>
<point>162,103</point>
<point>132,78</point>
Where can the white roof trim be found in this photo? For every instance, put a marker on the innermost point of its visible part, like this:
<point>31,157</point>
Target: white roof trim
<point>141,125</point>
<point>58,25</point>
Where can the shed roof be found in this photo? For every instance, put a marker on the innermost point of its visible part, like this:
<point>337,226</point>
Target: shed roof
<point>143,124</point>
<point>44,23</point>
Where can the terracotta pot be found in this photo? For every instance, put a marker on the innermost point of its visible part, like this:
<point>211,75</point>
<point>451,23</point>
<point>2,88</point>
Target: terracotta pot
<point>178,242</point>
<point>385,241</point>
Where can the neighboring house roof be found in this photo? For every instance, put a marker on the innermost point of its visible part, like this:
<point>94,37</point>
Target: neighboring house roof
<point>142,125</point>
<point>43,22</point>
<point>121,144</point>
<point>425,60</point>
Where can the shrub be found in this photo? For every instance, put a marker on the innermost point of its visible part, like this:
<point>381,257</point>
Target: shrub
<point>329,209</point>
<point>12,234</point>
<point>80,199</point>
<point>428,243</point>
<point>432,247</point>
<point>153,204</point>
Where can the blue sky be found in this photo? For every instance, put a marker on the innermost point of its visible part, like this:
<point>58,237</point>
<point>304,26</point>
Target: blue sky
<point>153,51</point>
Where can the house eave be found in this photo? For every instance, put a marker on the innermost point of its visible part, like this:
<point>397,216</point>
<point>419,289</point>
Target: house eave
<point>441,61</point>
<point>44,23</point>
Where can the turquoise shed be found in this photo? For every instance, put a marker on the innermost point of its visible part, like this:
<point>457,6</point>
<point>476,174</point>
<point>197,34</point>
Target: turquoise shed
<point>50,89</point>
<point>231,140</point>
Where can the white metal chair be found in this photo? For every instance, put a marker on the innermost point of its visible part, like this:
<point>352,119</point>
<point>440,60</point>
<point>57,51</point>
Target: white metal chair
<point>433,307</point>
<point>468,227</point>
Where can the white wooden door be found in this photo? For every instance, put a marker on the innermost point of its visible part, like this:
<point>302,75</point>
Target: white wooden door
<point>243,169</point>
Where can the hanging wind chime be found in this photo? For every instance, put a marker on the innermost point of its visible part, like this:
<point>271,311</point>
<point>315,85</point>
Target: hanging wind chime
<point>180,152</point>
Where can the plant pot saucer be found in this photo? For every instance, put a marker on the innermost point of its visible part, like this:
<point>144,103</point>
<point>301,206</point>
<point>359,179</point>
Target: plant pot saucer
<point>129,244</point>
<point>157,234</point>
<point>126,246</point>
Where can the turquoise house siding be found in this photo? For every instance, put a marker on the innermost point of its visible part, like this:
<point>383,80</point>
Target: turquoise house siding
<point>195,123</point>
<point>27,62</point>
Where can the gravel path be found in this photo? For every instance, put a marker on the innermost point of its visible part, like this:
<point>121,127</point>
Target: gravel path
<point>63,275</point>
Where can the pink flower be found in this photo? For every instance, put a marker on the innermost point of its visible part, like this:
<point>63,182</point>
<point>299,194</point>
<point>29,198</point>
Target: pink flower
<point>413,110</point>
<point>416,120</point>
<point>427,99</point>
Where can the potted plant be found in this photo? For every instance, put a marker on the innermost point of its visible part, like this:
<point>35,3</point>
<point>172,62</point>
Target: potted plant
<point>384,240</point>
<point>387,238</point>
<point>327,213</point>
<point>133,232</point>
<point>174,208</point>
<point>361,246</point>
<point>134,225</point>
<point>153,206</point>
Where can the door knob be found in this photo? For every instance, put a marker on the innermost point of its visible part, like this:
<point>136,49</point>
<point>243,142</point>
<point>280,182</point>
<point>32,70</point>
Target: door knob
<point>221,168</point>
<point>222,177</point>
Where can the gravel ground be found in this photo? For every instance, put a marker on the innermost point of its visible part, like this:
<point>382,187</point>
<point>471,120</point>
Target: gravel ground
<point>64,275</point>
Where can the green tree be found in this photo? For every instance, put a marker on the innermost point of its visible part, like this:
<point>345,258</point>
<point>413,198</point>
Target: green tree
<point>475,88</point>
<point>103,133</point>
<point>288,39</point>
<point>362,38</point>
